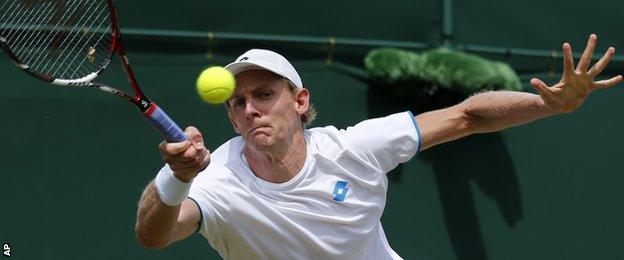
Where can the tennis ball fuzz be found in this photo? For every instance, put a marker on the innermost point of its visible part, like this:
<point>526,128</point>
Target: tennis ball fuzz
<point>215,85</point>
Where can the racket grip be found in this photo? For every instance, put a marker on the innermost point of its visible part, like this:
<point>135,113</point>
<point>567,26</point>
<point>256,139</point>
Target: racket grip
<point>161,121</point>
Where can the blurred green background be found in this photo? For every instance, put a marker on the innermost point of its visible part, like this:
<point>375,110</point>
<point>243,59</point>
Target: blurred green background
<point>74,162</point>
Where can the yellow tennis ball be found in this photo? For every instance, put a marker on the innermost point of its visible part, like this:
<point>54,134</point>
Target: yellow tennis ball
<point>215,85</point>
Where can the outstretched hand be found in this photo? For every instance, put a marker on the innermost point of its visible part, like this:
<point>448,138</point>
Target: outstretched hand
<point>576,84</point>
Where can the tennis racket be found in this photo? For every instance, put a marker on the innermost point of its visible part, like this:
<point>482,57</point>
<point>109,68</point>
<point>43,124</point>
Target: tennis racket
<point>70,43</point>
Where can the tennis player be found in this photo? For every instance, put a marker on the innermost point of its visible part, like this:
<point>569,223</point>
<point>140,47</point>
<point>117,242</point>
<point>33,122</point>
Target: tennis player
<point>281,191</point>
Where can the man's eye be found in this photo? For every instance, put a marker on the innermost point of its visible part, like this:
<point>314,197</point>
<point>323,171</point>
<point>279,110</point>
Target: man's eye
<point>239,102</point>
<point>266,94</point>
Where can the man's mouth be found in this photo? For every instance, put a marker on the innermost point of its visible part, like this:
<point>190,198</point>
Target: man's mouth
<point>257,129</point>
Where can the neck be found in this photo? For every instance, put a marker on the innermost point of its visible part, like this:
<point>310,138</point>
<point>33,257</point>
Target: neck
<point>280,164</point>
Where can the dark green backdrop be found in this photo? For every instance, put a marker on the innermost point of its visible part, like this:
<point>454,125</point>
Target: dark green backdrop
<point>70,176</point>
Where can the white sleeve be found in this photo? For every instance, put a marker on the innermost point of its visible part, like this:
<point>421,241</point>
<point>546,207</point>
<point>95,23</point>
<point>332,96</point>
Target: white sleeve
<point>208,192</point>
<point>213,202</point>
<point>385,142</point>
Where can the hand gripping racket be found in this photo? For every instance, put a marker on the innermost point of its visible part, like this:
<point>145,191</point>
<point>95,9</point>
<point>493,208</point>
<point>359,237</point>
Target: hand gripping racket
<point>70,43</point>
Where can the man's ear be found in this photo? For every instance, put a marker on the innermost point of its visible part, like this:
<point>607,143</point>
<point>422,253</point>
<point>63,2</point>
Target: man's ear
<point>302,98</point>
<point>234,125</point>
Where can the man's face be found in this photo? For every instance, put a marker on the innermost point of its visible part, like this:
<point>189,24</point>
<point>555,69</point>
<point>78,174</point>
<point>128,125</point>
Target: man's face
<point>264,111</point>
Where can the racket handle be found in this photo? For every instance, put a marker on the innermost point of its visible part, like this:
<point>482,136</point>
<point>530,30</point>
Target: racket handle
<point>159,119</point>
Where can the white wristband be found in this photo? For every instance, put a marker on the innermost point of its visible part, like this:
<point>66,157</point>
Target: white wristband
<point>171,190</point>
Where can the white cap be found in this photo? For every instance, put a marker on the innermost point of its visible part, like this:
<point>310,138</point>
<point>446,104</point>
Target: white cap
<point>268,60</point>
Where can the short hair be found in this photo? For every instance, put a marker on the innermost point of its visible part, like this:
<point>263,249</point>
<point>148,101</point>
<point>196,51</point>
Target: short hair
<point>306,119</point>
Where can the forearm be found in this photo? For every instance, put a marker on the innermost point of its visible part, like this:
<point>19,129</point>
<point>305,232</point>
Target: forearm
<point>155,220</point>
<point>496,110</point>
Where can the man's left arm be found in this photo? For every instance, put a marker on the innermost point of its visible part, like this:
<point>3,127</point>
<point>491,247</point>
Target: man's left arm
<point>497,110</point>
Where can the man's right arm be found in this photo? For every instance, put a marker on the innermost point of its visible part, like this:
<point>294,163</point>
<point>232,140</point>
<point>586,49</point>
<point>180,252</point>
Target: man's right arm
<point>170,218</point>
<point>159,225</point>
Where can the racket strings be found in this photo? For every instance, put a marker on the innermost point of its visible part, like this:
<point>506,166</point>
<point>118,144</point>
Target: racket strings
<point>53,39</point>
<point>76,64</point>
<point>24,25</point>
<point>69,44</point>
<point>64,59</point>
<point>65,39</point>
<point>30,38</point>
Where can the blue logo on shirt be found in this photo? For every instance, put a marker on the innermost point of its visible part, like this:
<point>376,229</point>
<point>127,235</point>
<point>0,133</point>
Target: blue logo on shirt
<point>340,191</point>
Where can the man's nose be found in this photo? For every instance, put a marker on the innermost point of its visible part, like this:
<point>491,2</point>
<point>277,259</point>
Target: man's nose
<point>250,109</point>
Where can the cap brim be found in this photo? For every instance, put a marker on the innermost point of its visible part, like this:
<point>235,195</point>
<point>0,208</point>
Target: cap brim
<point>240,66</point>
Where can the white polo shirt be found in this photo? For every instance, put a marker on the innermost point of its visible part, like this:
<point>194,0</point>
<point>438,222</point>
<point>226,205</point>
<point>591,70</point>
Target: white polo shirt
<point>330,210</point>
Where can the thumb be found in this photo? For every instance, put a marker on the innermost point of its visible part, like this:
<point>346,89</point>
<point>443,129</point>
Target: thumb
<point>196,138</point>
<point>173,148</point>
<point>541,88</point>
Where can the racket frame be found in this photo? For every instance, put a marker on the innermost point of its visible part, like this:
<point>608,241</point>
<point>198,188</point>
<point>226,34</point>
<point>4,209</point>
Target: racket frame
<point>154,114</point>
